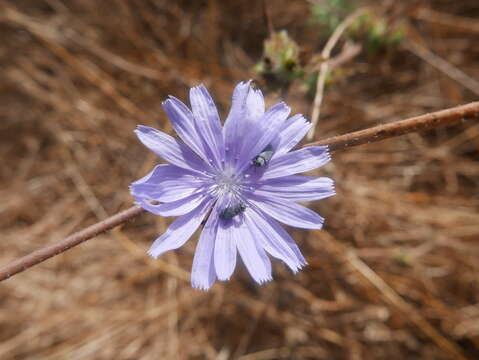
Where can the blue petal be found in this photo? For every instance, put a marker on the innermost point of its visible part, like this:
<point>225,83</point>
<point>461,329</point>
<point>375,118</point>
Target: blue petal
<point>258,138</point>
<point>182,206</point>
<point>290,134</point>
<point>274,239</point>
<point>287,212</point>
<point>253,254</point>
<point>208,124</point>
<point>183,122</point>
<point>168,183</point>
<point>247,107</point>
<point>298,161</point>
<point>203,273</point>
<point>169,148</point>
<point>233,127</point>
<point>225,249</point>
<point>297,188</point>
<point>180,230</point>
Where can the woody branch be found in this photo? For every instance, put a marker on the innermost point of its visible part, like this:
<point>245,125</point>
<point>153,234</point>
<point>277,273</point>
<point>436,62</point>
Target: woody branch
<point>377,133</point>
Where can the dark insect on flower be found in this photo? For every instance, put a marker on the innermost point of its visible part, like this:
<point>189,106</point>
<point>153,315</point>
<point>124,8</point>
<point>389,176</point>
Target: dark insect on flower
<point>231,211</point>
<point>264,157</point>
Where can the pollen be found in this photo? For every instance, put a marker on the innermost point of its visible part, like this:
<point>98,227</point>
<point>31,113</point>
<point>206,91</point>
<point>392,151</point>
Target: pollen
<point>226,185</point>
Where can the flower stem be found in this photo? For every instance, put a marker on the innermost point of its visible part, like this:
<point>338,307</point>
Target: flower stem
<point>75,239</point>
<point>419,123</point>
<point>377,133</point>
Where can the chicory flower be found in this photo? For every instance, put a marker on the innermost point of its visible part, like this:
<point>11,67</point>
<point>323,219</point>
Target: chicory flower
<point>238,180</point>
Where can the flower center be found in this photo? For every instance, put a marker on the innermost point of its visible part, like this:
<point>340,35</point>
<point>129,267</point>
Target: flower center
<point>226,184</point>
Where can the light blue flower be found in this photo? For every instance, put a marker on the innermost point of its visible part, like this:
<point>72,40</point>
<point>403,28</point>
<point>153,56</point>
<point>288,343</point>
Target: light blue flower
<point>239,180</point>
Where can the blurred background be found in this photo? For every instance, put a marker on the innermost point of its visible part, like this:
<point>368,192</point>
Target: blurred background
<point>394,274</point>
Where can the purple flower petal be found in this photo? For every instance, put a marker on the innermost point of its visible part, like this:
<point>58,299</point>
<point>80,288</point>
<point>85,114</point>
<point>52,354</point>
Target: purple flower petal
<point>208,124</point>
<point>289,240</point>
<point>169,148</point>
<point>175,208</point>
<point>182,206</point>
<point>298,161</point>
<point>243,119</point>
<point>287,212</point>
<point>168,183</point>
<point>253,255</point>
<point>257,139</point>
<point>215,168</point>
<point>180,230</point>
<point>203,273</point>
<point>290,134</point>
<point>274,239</point>
<point>183,122</point>
<point>227,236</point>
<point>297,188</point>
<point>234,123</point>
<point>255,105</point>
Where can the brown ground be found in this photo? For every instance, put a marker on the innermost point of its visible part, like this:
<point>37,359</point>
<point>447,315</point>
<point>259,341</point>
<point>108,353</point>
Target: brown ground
<point>394,275</point>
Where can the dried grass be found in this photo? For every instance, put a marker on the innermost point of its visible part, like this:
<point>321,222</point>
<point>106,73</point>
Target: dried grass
<point>395,273</point>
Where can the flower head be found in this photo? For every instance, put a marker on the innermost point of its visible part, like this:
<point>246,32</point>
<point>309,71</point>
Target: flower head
<point>238,180</point>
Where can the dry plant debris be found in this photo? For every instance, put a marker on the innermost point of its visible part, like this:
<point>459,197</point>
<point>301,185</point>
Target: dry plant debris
<point>78,76</point>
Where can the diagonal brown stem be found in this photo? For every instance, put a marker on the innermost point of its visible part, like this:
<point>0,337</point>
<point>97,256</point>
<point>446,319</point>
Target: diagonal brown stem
<point>75,239</point>
<point>373,134</point>
<point>419,123</point>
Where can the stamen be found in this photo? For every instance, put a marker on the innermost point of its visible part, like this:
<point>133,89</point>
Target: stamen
<point>226,184</point>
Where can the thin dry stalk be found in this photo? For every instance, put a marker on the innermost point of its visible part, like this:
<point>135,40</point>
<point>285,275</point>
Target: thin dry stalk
<point>75,239</point>
<point>377,133</point>
<point>397,128</point>
<point>442,65</point>
<point>323,71</point>
<point>392,296</point>
<point>452,22</point>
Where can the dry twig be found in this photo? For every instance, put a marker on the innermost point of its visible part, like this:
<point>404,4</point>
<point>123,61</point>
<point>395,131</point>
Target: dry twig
<point>323,71</point>
<point>442,65</point>
<point>75,239</point>
<point>452,22</point>
<point>391,296</point>
<point>415,124</point>
<point>374,134</point>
